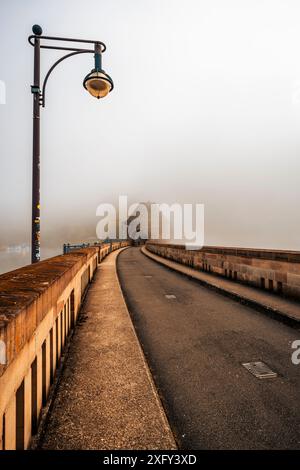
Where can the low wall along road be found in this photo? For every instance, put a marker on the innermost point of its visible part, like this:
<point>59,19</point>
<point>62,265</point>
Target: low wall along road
<point>39,306</point>
<point>272,270</point>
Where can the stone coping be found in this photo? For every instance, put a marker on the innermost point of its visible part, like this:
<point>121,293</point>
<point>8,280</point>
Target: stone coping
<point>274,255</point>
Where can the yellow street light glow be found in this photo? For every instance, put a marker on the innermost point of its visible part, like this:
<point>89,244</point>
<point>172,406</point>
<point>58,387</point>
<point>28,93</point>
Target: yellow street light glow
<point>98,83</point>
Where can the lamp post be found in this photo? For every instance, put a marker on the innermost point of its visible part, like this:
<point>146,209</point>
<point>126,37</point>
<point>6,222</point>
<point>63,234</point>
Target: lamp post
<point>97,83</point>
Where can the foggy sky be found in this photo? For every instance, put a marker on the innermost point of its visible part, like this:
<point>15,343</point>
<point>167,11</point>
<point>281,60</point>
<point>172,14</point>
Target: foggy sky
<point>206,108</point>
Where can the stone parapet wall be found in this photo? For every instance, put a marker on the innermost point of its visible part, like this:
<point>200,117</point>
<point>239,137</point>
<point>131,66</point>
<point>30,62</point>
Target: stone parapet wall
<point>39,306</point>
<point>273,270</point>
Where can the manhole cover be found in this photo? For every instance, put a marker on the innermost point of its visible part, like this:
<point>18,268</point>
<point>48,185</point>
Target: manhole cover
<point>170,296</point>
<point>260,370</point>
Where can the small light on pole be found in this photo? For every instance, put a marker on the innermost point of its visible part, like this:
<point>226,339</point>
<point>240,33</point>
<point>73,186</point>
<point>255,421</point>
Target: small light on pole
<point>97,82</point>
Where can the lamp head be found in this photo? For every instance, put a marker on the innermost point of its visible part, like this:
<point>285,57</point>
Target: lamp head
<point>98,83</point>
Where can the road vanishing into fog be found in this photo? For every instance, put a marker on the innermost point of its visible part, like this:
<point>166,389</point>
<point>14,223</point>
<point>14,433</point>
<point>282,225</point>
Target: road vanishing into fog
<point>195,345</point>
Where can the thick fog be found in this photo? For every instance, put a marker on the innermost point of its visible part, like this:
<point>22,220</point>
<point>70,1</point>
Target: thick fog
<point>206,109</point>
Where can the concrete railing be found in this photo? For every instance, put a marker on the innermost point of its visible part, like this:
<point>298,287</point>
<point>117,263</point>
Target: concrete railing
<point>273,270</point>
<point>39,305</point>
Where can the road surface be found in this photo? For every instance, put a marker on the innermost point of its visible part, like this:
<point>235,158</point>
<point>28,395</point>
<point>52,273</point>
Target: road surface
<point>195,344</point>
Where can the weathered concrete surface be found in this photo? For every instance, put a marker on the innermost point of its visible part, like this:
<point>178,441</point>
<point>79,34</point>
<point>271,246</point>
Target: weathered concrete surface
<point>273,303</point>
<point>106,398</point>
<point>195,345</point>
<point>29,293</point>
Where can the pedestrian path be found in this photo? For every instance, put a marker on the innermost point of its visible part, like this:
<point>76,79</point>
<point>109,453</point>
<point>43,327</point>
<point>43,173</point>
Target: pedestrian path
<point>106,398</point>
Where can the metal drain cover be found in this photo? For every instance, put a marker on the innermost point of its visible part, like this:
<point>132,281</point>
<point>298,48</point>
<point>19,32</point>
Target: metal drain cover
<point>170,296</point>
<point>260,370</point>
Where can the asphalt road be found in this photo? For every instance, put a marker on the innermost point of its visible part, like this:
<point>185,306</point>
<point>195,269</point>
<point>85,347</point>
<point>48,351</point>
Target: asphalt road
<point>195,345</point>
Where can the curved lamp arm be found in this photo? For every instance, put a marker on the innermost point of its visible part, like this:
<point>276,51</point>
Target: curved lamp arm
<point>42,97</point>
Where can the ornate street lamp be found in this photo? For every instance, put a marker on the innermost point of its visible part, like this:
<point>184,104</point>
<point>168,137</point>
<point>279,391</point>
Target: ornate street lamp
<point>97,82</point>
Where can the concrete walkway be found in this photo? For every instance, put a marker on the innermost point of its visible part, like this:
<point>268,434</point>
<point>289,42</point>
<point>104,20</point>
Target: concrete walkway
<point>106,398</point>
<point>285,309</point>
